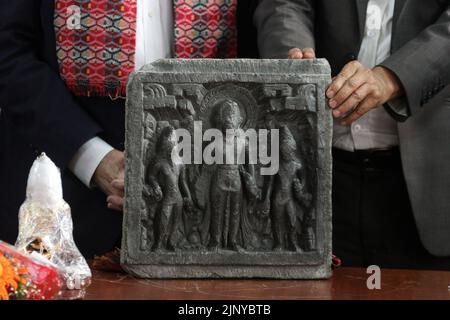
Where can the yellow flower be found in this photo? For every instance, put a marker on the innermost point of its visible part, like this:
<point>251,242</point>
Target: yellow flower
<point>7,278</point>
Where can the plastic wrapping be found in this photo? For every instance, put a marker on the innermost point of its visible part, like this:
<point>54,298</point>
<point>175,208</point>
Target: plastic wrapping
<point>35,278</point>
<point>45,224</point>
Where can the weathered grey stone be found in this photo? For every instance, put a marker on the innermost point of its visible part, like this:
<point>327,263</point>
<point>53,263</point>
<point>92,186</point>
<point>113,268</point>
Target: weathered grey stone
<point>228,220</point>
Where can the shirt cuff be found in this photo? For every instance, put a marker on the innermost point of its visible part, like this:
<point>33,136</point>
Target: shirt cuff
<point>87,159</point>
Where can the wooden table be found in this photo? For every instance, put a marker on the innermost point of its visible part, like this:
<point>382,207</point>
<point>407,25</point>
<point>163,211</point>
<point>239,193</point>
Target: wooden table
<point>346,283</point>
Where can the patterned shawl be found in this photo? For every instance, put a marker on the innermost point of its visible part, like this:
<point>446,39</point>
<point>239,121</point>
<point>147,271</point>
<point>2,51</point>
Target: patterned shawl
<point>96,39</point>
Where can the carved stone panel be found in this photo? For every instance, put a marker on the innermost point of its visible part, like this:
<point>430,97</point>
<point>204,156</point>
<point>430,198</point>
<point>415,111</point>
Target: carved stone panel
<point>228,170</point>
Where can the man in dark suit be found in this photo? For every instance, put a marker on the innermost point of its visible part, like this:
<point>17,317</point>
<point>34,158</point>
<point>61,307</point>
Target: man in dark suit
<point>39,113</point>
<point>390,98</point>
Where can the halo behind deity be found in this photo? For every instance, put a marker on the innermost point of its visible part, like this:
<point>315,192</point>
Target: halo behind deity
<point>243,97</point>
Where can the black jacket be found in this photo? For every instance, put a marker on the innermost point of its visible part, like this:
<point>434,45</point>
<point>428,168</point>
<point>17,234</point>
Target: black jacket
<point>38,113</point>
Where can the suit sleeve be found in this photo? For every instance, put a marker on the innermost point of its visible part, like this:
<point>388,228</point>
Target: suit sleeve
<point>283,25</point>
<point>32,94</point>
<point>422,66</point>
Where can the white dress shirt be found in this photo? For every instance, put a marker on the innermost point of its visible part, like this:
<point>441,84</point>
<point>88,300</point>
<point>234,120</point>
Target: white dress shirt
<point>154,31</point>
<point>154,39</point>
<point>376,129</point>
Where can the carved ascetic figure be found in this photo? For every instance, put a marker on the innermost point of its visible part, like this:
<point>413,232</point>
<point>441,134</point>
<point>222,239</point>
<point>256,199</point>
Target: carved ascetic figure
<point>228,181</point>
<point>167,185</point>
<point>281,193</point>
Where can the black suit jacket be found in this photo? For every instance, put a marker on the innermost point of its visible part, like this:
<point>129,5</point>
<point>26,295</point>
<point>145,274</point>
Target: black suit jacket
<point>38,113</point>
<point>420,57</point>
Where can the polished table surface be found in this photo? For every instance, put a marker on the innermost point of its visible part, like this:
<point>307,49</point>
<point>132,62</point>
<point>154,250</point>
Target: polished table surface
<point>346,283</point>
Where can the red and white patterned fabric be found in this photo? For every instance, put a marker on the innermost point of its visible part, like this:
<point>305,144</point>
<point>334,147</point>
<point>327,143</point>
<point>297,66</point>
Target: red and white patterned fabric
<point>96,43</point>
<point>205,28</point>
<point>96,39</point>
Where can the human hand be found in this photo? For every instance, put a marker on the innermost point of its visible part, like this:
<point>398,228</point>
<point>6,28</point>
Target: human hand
<point>300,192</point>
<point>263,208</point>
<point>188,205</point>
<point>298,54</point>
<point>154,190</point>
<point>250,184</point>
<point>116,200</point>
<point>358,89</point>
<point>298,186</point>
<point>109,177</point>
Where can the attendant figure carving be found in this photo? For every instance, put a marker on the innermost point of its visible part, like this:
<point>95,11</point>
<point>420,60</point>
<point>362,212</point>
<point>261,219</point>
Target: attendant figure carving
<point>167,185</point>
<point>282,192</point>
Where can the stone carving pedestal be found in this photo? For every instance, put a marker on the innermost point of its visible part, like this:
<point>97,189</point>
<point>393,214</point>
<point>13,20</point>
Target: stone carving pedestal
<point>224,221</point>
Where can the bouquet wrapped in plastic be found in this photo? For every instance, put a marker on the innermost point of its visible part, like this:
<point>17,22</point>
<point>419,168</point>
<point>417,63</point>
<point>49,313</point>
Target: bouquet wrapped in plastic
<point>24,276</point>
<point>45,224</point>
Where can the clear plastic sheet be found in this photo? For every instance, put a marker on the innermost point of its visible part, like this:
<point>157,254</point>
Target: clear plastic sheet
<point>35,277</point>
<point>45,225</point>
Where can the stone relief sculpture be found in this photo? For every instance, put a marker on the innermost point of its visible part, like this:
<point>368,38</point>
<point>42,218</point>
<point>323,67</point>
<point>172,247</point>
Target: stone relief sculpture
<point>167,185</point>
<point>199,201</point>
<point>282,191</point>
<point>227,185</point>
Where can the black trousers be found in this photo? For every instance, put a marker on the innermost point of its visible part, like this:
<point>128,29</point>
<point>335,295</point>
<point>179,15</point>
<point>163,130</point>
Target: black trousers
<point>373,221</point>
